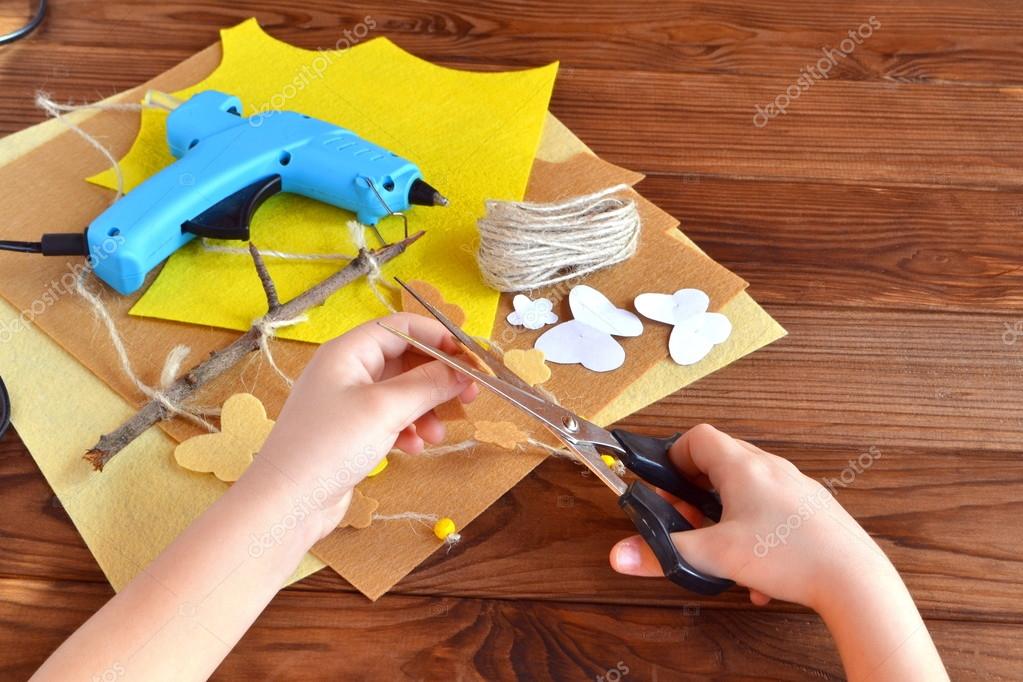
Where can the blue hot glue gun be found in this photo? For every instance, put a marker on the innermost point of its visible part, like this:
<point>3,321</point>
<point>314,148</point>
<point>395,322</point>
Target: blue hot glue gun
<point>227,165</point>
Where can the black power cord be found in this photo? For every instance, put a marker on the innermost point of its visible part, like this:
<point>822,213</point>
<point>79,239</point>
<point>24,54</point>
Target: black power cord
<point>5,409</point>
<point>53,244</point>
<point>32,25</point>
<point>28,247</point>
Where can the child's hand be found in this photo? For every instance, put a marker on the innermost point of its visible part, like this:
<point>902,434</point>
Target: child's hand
<point>782,534</point>
<point>361,395</point>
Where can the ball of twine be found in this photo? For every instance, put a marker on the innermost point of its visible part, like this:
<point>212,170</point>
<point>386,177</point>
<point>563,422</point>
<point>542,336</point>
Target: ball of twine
<point>525,246</point>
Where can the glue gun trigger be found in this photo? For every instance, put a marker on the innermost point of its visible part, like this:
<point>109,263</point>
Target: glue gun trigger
<point>230,218</point>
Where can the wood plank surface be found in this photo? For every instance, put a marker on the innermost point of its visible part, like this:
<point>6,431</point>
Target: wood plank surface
<point>879,221</point>
<point>938,41</point>
<point>842,131</point>
<point>337,635</point>
<point>516,551</point>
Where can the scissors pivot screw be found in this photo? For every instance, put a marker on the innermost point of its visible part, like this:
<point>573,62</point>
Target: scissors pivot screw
<point>570,424</point>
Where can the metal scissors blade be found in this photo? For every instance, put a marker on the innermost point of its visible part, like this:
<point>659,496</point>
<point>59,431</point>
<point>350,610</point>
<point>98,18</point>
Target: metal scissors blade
<point>495,363</point>
<point>568,427</point>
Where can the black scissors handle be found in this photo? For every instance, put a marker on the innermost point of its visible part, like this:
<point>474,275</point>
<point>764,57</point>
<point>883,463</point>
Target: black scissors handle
<point>5,409</point>
<point>656,520</point>
<point>647,457</point>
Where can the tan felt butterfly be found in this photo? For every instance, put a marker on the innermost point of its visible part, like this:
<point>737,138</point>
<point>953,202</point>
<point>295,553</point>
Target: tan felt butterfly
<point>243,428</point>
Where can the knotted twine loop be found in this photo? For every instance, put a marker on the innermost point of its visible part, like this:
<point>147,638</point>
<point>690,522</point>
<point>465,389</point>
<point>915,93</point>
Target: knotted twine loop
<point>374,277</point>
<point>525,246</point>
<point>267,329</point>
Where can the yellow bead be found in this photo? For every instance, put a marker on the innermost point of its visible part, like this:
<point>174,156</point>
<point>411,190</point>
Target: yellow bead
<point>443,528</point>
<point>609,461</point>
<point>378,468</point>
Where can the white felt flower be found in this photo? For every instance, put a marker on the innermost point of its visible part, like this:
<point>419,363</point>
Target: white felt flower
<point>531,314</point>
<point>695,330</point>
<point>588,340</point>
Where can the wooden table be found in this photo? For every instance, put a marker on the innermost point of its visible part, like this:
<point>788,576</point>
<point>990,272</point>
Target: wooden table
<point>879,220</point>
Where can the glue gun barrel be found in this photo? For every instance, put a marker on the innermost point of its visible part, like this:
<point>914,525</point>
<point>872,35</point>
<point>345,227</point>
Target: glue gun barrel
<point>422,194</point>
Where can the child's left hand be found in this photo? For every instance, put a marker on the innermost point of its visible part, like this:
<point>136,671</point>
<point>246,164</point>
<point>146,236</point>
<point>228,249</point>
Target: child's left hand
<point>360,396</point>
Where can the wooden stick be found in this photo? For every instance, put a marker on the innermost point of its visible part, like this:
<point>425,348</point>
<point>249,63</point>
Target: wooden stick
<point>220,361</point>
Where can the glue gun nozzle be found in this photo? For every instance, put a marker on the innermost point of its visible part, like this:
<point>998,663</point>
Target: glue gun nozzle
<point>422,194</point>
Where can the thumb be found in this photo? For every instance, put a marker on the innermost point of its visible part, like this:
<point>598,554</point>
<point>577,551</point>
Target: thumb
<point>411,394</point>
<point>702,548</point>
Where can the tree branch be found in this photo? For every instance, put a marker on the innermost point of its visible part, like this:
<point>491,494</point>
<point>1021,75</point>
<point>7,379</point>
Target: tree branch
<point>269,288</point>
<point>224,359</point>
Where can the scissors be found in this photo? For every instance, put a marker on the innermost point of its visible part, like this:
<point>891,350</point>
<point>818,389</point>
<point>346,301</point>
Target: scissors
<point>654,517</point>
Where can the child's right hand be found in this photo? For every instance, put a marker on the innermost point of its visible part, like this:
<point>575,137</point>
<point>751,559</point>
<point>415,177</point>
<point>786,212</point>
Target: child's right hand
<point>782,534</point>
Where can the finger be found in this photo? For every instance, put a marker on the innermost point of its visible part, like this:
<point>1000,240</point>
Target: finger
<point>700,548</point>
<point>470,393</point>
<point>759,598</point>
<point>403,363</point>
<point>409,442</point>
<point>370,346</point>
<point>753,449</point>
<point>412,394</point>
<point>705,450</point>
<point>688,511</point>
<point>430,428</point>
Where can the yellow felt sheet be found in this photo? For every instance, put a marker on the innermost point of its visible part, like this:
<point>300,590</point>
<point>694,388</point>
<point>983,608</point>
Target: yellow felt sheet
<point>474,135</point>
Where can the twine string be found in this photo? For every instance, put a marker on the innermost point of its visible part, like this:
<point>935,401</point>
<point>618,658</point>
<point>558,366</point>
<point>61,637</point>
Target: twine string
<point>374,277</point>
<point>267,329</point>
<point>419,517</point>
<point>171,365</point>
<point>525,246</point>
<point>57,111</point>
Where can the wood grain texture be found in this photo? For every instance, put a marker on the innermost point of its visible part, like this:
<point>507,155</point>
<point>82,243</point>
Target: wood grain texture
<point>879,221</point>
<point>515,551</point>
<point>944,40</point>
<point>829,244</point>
<point>681,123</point>
<point>304,635</point>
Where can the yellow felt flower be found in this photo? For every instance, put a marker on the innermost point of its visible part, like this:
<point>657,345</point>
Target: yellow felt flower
<point>528,365</point>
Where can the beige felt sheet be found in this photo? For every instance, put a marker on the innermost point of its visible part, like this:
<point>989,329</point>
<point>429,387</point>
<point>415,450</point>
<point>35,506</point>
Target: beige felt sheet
<point>373,559</point>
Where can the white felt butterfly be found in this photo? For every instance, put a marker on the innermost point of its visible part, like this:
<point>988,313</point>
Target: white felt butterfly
<point>695,330</point>
<point>531,314</point>
<point>587,339</point>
